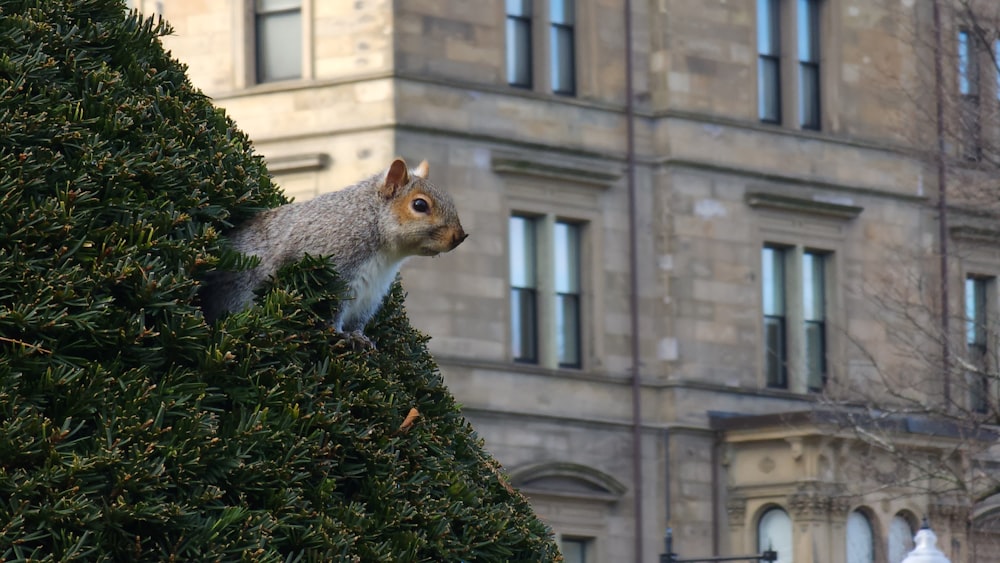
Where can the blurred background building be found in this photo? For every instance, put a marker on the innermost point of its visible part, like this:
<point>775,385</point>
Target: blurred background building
<point>704,286</point>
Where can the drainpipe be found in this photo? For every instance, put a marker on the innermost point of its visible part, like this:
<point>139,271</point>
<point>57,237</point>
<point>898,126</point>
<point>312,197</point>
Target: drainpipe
<point>634,284</point>
<point>942,203</point>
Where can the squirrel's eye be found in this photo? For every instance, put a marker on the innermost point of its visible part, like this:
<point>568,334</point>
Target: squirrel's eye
<point>420,205</point>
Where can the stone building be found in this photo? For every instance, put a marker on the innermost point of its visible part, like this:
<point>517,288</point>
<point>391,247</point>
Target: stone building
<point>656,333</point>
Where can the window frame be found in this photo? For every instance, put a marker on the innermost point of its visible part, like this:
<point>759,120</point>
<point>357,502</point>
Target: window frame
<point>542,53</point>
<point>872,555</point>
<point>790,64</point>
<point>772,57</point>
<point>810,62</point>
<point>547,297</point>
<point>259,17</point>
<point>586,544</point>
<point>525,19</point>
<point>765,514</point>
<point>797,372</point>
<point>978,344</point>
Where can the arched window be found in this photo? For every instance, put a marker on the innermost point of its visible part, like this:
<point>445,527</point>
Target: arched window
<point>860,539</point>
<point>900,538</point>
<point>774,531</point>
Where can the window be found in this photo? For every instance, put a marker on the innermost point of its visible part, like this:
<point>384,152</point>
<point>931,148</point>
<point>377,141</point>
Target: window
<point>775,359</point>
<point>794,330</point>
<point>814,314</point>
<point>900,538</point>
<point>278,38</point>
<point>808,50</point>
<point>774,531</point>
<point>523,290</point>
<point>558,53</point>
<point>545,291</point>
<point>996,59</point>
<point>575,550</point>
<point>768,61</point>
<point>794,68</point>
<point>860,539</point>
<point>561,19</point>
<point>519,43</point>
<point>968,67</point>
<point>976,339</point>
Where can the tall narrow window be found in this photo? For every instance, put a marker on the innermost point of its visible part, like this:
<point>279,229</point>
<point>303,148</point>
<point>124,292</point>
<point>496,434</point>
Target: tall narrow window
<point>968,69</point>
<point>768,61</point>
<point>996,60</point>
<point>278,28</point>
<point>860,539</point>
<point>575,550</point>
<point>814,315</point>
<point>900,539</point>
<point>775,340</point>
<point>523,289</point>
<point>561,21</point>
<point>566,244</point>
<point>519,43</point>
<point>976,319</point>
<point>774,531</point>
<point>808,50</point>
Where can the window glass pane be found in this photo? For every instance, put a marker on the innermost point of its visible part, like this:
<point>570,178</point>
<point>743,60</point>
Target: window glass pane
<point>808,31</point>
<point>996,58</point>
<point>773,282</point>
<point>815,355</point>
<point>975,310</point>
<point>276,5</point>
<point>519,8</point>
<point>566,244</point>
<point>563,79</point>
<point>860,544</point>
<point>768,89</point>
<point>966,64</point>
<point>768,42</point>
<point>561,11</point>
<point>568,330</point>
<point>813,292</point>
<point>900,539</point>
<point>279,46</point>
<point>519,52</point>
<point>809,96</point>
<point>523,323</point>
<point>574,551</point>
<point>774,531</point>
<point>774,354</point>
<point>522,252</point>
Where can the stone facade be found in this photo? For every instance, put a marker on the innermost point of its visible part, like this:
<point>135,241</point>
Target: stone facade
<point>426,79</point>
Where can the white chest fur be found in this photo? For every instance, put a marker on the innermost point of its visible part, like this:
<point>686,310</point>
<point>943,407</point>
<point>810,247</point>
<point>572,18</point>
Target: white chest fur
<point>371,283</point>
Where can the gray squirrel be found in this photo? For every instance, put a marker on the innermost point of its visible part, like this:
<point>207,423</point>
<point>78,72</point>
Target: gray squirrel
<point>367,230</point>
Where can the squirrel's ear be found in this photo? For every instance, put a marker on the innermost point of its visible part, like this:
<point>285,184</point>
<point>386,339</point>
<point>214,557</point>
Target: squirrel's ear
<point>397,177</point>
<point>422,170</point>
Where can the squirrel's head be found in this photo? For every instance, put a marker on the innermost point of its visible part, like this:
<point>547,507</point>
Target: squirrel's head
<point>426,219</point>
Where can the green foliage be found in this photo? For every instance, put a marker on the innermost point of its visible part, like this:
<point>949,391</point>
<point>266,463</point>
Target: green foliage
<point>130,429</point>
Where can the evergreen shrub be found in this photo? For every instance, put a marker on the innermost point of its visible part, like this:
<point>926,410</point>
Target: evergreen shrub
<point>131,429</point>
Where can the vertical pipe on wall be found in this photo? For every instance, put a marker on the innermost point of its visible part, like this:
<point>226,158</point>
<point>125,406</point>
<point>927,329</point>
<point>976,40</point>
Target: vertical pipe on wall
<point>942,203</point>
<point>633,284</point>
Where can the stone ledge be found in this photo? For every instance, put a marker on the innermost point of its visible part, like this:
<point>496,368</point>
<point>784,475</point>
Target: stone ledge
<point>759,200</point>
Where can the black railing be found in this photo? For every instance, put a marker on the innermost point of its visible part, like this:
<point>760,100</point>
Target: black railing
<point>671,557</point>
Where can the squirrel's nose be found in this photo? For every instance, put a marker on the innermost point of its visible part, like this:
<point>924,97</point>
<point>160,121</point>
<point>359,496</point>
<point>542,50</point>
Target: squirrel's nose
<point>460,236</point>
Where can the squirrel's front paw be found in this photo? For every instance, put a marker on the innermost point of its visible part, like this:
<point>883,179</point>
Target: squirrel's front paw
<point>357,340</point>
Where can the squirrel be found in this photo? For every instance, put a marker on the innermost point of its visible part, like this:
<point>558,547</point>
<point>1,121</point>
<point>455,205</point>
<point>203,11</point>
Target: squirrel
<point>367,230</point>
